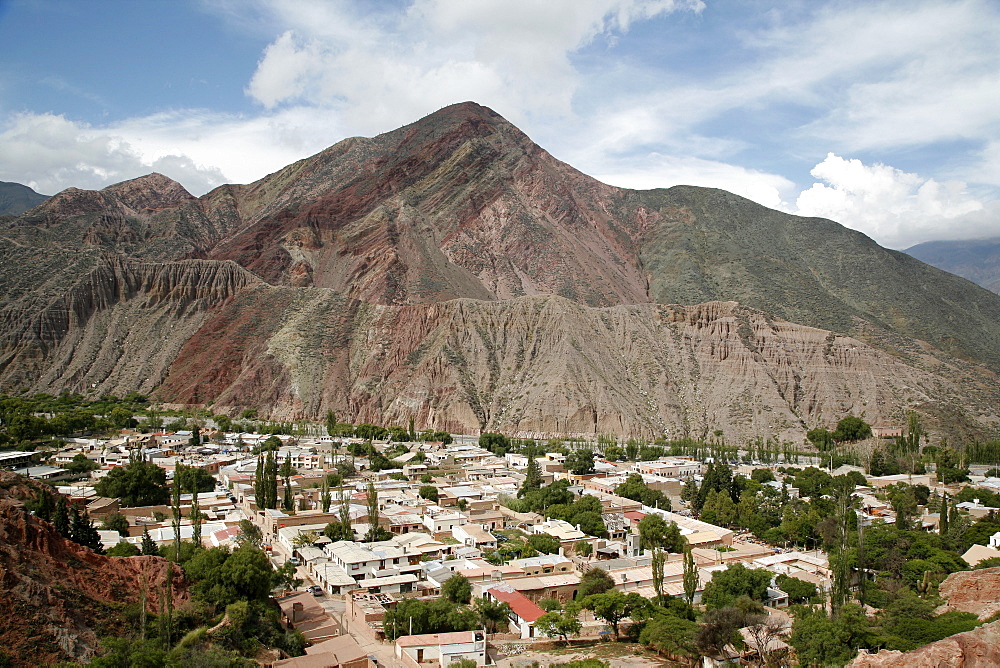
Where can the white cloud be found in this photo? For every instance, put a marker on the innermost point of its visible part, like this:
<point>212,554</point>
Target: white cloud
<point>896,208</point>
<point>49,153</point>
<point>381,71</point>
<point>663,171</point>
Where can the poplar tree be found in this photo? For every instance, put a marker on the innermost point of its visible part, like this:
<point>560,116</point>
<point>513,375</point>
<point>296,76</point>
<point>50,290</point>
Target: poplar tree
<point>943,523</point>
<point>658,559</point>
<point>175,505</point>
<point>195,515</point>
<point>690,574</point>
<point>287,502</point>
<point>371,500</point>
<point>324,496</point>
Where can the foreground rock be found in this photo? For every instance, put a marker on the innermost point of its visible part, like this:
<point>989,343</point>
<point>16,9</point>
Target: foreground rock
<point>59,598</point>
<point>979,648</point>
<point>977,592</point>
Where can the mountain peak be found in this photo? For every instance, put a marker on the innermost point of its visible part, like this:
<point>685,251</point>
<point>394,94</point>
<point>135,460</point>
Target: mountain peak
<point>152,191</point>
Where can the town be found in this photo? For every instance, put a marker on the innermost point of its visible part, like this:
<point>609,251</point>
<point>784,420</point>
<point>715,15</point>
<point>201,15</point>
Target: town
<point>530,544</point>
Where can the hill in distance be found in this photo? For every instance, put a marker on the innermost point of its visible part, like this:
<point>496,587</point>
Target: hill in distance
<point>454,271</point>
<point>977,260</point>
<point>15,198</point>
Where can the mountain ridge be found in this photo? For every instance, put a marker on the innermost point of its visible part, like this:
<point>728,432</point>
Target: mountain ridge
<point>977,260</point>
<point>344,258</point>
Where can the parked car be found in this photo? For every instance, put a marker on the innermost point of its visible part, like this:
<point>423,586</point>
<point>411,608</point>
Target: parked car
<point>315,590</point>
<point>294,561</point>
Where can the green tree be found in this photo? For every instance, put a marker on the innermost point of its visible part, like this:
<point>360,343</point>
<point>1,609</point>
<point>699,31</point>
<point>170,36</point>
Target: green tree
<point>138,483</point>
<point>559,624</point>
<point>371,501</point>
<point>595,581</point>
<point>737,580</point>
<point>544,543</point>
<point>148,547</point>
<point>116,522</point>
<point>80,464</point>
<point>457,589</point>
<point>492,614</point>
<point>799,591</point>
<point>580,461</point>
<point>671,635</point>
<point>904,504</point>
<point>82,530</point>
<point>690,577</point>
<point>819,640</point>
<point>331,423</point>
<point>193,478</point>
<point>852,428</point>
<point>123,549</point>
<point>429,492</point>
<point>532,478</point>
<point>613,606</point>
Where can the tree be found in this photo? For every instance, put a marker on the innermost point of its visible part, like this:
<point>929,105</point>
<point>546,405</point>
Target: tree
<point>544,543</point>
<point>613,606</point>
<point>371,501</point>
<point>904,503</point>
<point>719,626</point>
<point>193,479</point>
<point>492,614</point>
<point>819,640</point>
<point>799,591</point>
<point>737,580</point>
<point>670,635</point>
<point>325,498</point>
<point>532,478</point>
<point>690,577</point>
<point>429,492</point>
<point>82,531</point>
<point>138,483</point>
<point>80,464</point>
<point>331,423</point>
<point>457,589</point>
<point>148,547</point>
<point>852,428</point>
<point>657,566</point>
<point>123,549</point>
<point>286,471</point>
<point>116,522</point>
<point>561,624</point>
<point>580,461</point>
<point>595,581</point>
<point>652,531</point>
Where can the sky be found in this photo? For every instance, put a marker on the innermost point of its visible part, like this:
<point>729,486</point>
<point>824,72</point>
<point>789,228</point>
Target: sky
<point>883,116</point>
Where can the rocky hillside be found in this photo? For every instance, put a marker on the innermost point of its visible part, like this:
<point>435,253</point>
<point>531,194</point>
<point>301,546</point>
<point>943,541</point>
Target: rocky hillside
<point>58,597</point>
<point>453,271</point>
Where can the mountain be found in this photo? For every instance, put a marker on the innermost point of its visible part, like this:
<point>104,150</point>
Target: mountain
<point>455,272</point>
<point>16,198</point>
<point>977,260</point>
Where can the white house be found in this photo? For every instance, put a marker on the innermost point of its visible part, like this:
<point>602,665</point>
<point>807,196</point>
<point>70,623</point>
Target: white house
<point>446,648</point>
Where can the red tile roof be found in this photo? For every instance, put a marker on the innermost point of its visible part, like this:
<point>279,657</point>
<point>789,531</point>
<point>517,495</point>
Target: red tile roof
<point>522,606</point>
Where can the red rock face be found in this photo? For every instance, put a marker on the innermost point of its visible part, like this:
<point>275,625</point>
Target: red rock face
<point>455,272</point>
<point>979,648</point>
<point>59,597</point>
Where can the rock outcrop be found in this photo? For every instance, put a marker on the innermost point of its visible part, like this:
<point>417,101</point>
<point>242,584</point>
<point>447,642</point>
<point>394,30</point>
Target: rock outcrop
<point>58,598</point>
<point>977,592</point>
<point>979,648</point>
